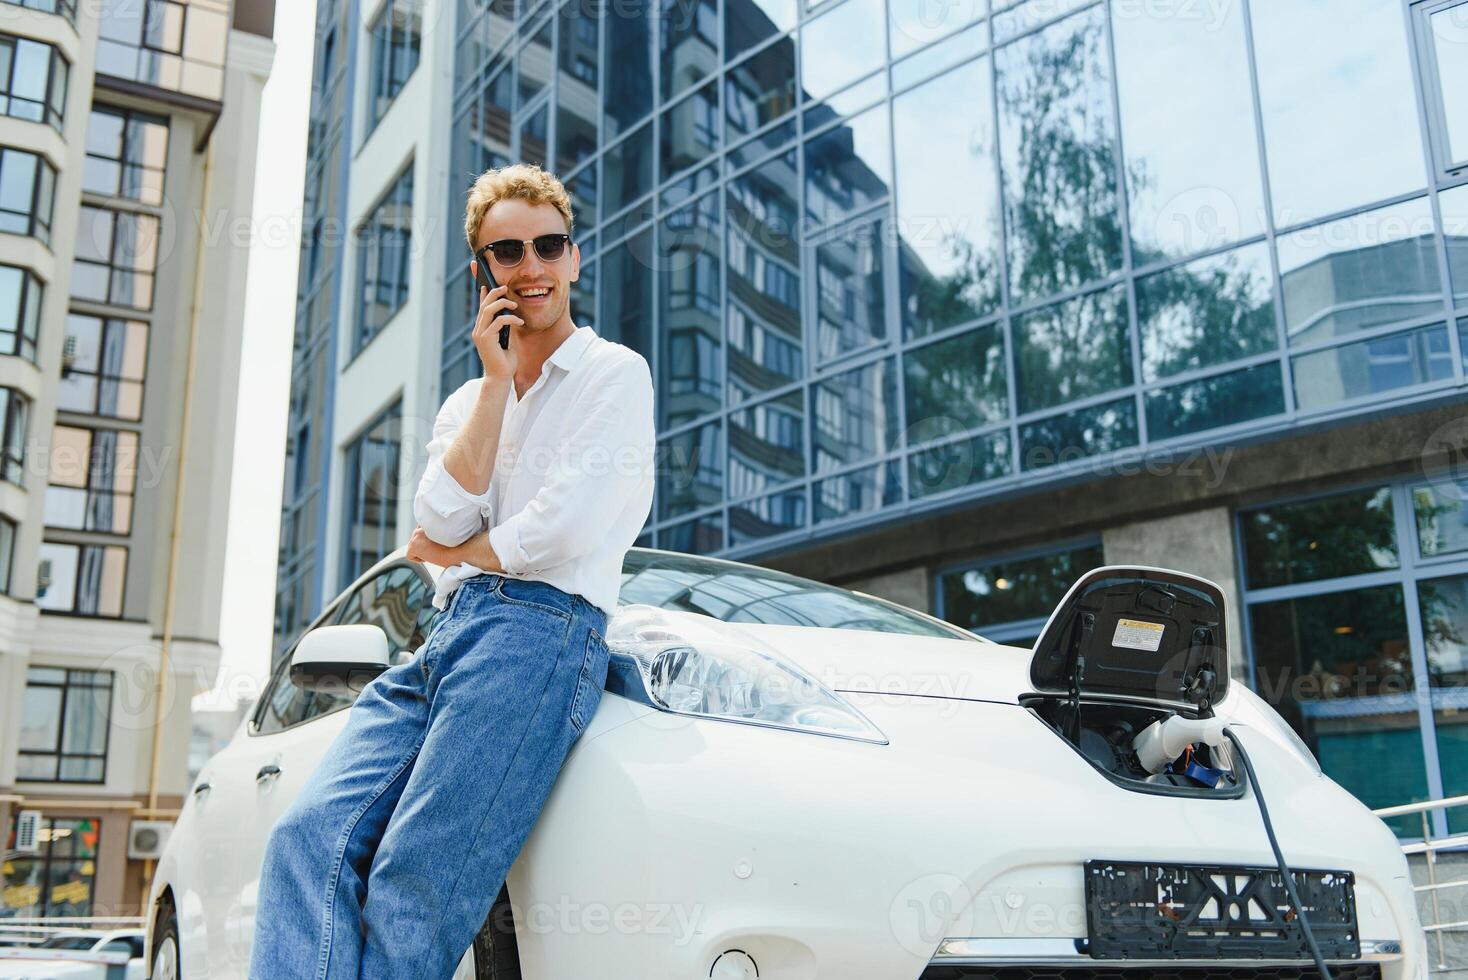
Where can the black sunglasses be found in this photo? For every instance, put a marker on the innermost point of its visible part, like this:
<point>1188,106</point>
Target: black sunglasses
<point>509,251</point>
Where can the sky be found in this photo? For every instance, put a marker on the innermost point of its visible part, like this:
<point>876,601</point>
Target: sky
<point>245,625</point>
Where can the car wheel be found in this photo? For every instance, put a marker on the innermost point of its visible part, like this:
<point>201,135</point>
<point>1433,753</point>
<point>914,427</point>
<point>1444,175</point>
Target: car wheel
<point>496,957</point>
<point>165,949</point>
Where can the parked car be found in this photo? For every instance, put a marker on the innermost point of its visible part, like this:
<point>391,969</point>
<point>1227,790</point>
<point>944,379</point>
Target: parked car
<point>791,780</point>
<point>78,954</point>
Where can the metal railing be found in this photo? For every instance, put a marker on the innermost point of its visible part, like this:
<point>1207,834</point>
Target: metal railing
<point>1429,847</point>
<point>30,931</point>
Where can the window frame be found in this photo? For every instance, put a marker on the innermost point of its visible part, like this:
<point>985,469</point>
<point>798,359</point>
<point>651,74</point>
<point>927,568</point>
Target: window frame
<point>73,610</point>
<point>27,331</point>
<point>57,67</point>
<point>1430,80</point>
<point>368,241</point>
<point>43,176</point>
<point>66,686</point>
<point>119,465</point>
<point>15,414</point>
<point>101,378</point>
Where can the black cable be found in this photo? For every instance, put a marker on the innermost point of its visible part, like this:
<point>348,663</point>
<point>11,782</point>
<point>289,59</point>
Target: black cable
<point>1279,857</point>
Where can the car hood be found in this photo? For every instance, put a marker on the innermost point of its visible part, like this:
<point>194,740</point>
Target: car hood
<point>889,663</point>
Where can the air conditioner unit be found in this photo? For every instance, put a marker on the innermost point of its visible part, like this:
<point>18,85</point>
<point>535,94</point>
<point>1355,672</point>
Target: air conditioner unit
<point>146,838</point>
<point>28,831</point>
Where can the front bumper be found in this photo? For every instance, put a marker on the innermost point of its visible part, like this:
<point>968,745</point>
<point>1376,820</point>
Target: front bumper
<point>682,839</point>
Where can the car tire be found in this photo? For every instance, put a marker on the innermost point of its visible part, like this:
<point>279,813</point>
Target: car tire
<point>496,956</point>
<point>163,964</point>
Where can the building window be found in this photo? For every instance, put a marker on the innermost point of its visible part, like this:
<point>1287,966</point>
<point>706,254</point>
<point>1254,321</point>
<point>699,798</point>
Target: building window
<point>116,256</point>
<point>21,294</point>
<point>103,361</point>
<point>27,194</point>
<point>33,79</point>
<point>127,153</point>
<point>1008,600</point>
<point>16,410</point>
<point>395,43</point>
<point>382,277</point>
<point>8,531</point>
<point>56,880</point>
<point>81,579</point>
<point>66,8</point>
<point>93,475</point>
<point>63,725</point>
<point>1347,612</point>
<point>373,488</point>
<point>1442,33</point>
<point>164,43</point>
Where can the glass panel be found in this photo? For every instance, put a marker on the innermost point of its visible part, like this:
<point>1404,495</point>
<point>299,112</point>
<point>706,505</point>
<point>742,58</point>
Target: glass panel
<point>959,463</point>
<point>690,131</point>
<point>1013,590</point>
<point>761,89</point>
<point>766,349</point>
<point>690,43</point>
<point>853,415</point>
<point>628,95</point>
<point>858,492</point>
<point>1364,271</point>
<point>1058,150</point>
<point>1344,534</point>
<point>1224,399</point>
<point>1449,30</point>
<point>962,46</point>
<point>1076,435</point>
<point>767,516</point>
<point>1207,312</point>
<point>579,60</point>
<point>748,22</point>
<point>947,203</point>
<point>766,445</point>
<point>691,470</point>
<point>1338,668</point>
<point>1444,606</point>
<point>1072,350</point>
<point>626,293</point>
<point>627,170</point>
<point>848,167</point>
<point>1192,157</point>
<point>1454,206</point>
<point>955,384</point>
<point>911,24</point>
<point>689,258</point>
<point>1371,367</point>
<point>700,536</point>
<point>1346,96</point>
<point>850,295</point>
<point>840,46</point>
<point>535,63</point>
<point>1442,518</point>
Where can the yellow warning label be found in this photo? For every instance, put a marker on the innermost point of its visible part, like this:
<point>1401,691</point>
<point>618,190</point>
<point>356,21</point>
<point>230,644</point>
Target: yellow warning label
<point>1138,634</point>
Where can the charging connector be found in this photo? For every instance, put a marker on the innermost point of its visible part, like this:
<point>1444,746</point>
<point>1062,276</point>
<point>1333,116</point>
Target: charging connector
<point>1284,870</point>
<point>1163,741</point>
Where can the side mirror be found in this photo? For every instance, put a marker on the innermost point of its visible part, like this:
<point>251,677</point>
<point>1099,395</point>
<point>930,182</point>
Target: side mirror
<point>339,659</point>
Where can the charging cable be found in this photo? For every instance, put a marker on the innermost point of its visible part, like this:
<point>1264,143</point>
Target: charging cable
<point>1279,857</point>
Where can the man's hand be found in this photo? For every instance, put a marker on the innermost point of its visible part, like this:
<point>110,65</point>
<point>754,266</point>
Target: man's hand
<point>476,551</point>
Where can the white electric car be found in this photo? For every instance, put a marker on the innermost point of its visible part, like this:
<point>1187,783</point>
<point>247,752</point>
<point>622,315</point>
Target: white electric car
<point>791,781</point>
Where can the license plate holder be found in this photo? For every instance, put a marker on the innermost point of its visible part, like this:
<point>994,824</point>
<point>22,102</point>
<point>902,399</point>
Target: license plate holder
<point>1143,910</point>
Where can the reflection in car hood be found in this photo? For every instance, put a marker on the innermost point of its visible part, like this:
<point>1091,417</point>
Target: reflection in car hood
<point>893,663</point>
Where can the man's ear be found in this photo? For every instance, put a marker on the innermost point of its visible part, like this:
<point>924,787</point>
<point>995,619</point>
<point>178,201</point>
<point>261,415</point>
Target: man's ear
<point>575,262</point>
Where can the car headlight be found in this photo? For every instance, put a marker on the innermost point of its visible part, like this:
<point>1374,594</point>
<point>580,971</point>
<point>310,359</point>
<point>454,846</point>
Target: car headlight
<point>716,670</point>
<point>1252,711</point>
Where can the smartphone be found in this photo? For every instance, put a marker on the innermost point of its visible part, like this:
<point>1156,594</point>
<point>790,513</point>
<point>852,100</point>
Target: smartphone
<point>486,280</point>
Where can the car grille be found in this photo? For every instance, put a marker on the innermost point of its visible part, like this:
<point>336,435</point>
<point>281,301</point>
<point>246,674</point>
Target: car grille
<point>1344,971</point>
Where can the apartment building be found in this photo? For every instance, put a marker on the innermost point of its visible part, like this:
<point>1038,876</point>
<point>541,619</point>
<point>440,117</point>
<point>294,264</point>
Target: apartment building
<point>128,136</point>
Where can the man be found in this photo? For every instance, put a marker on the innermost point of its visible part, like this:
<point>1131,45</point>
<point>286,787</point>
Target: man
<point>386,865</point>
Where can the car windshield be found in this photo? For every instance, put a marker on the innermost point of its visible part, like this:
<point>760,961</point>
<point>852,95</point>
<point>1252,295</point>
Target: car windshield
<point>738,593</point>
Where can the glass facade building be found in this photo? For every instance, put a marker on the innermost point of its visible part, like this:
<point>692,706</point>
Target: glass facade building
<point>893,261</point>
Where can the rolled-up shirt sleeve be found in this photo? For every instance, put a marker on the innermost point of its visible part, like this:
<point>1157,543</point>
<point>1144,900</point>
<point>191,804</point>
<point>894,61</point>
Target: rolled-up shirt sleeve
<point>604,466</point>
<point>447,512</point>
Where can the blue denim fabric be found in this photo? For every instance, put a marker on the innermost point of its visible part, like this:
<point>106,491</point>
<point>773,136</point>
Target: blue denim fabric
<point>386,865</point>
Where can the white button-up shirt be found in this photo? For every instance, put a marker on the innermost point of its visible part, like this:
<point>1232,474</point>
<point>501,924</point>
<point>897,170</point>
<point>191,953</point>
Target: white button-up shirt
<point>572,483</point>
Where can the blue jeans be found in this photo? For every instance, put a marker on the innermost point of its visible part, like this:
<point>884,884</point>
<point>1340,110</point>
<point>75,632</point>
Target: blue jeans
<point>386,865</point>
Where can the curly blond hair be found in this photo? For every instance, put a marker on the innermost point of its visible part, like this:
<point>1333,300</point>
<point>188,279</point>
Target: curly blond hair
<point>519,181</point>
